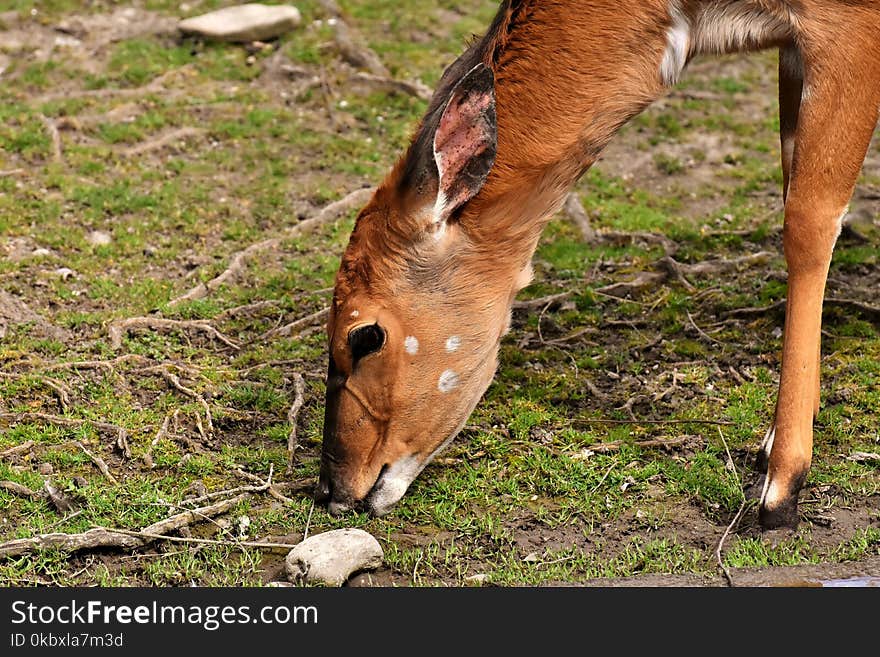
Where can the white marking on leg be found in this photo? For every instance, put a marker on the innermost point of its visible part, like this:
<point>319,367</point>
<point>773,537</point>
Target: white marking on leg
<point>767,443</point>
<point>448,381</point>
<point>840,222</point>
<point>453,343</point>
<point>411,345</point>
<point>677,45</point>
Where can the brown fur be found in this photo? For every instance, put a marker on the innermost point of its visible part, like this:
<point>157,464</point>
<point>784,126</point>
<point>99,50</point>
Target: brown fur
<point>567,75</point>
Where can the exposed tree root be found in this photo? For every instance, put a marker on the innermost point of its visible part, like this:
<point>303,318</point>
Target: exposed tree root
<point>299,387</point>
<point>98,461</point>
<point>100,537</point>
<point>351,47</point>
<point>239,261</point>
<point>669,267</point>
<point>120,327</point>
<point>297,325</point>
<point>162,141</point>
<point>60,421</point>
<point>17,449</point>
<point>373,82</point>
<point>21,491</point>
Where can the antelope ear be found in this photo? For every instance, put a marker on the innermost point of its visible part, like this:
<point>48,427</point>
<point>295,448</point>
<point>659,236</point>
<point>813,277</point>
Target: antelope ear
<point>465,141</point>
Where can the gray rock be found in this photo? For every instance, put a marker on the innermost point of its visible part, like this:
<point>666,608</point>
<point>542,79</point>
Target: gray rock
<point>330,558</point>
<point>99,238</point>
<point>243,23</point>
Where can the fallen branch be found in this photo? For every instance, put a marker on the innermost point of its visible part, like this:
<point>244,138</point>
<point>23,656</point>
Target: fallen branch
<point>299,386</point>
<point>329,213</point>
<point>120,327</point>
<point>11,172</point>
<point>98,461</point>
<point>163,141</point>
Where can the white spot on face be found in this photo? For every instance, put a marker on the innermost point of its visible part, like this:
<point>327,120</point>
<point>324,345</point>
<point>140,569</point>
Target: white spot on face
<point>453,343</point>
<point>411,345</point>
<point>677,45</point>
<point>355,313</point>
<point>448,381</point>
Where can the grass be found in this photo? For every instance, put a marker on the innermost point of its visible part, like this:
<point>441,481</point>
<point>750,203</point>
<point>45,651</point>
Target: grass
<point>526,495</point>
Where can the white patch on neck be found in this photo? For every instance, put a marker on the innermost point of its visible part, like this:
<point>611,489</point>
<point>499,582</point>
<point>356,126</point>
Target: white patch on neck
<point>355,313</point>
<point>453,343</point>
<point>678,45</point>
<point>411,345</point>
<point>448,381</point>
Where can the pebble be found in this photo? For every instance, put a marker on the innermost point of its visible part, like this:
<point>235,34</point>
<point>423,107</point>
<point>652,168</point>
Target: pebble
<point>99,238</point>
<point>46,469</point>
<point>330,558</point>
<point>243,23</point>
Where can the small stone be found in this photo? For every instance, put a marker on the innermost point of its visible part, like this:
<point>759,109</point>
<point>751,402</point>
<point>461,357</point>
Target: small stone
<point>41,251</point>
<point>243,23</point>
<point>46,469</point>
<point>80,482</point>
<point>531,557</point>
<point>330,558</point>
<point>477,579</point>
<point>99,238</point>
<point>64,273</point>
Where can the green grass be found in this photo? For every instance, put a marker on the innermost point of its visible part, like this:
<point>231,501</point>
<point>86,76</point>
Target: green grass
<point>534,461</point>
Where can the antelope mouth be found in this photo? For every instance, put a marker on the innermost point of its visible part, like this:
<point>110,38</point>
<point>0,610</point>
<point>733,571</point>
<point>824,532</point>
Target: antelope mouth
<point>391,485</point>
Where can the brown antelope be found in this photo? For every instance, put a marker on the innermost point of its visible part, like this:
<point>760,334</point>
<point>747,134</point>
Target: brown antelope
<point>425,288</point>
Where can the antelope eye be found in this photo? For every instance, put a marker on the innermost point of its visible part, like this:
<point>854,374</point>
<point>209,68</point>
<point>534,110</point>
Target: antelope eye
<point>365,340</point>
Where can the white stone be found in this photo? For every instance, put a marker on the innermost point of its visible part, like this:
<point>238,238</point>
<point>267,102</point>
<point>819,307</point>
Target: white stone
<point>99,238</point>
<point>243,23</point>
<point>332,557</point>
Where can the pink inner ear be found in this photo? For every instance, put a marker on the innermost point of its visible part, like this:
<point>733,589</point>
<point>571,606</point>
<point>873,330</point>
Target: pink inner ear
<point>463,134</point>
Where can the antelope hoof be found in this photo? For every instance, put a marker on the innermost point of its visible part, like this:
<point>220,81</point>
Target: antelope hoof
<point>779,504</point>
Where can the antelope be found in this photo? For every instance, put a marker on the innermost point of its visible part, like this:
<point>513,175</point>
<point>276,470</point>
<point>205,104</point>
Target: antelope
<point>425,287</point>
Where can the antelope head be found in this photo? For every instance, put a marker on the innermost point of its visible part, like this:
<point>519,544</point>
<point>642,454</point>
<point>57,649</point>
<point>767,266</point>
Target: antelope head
<point>419,309</point>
